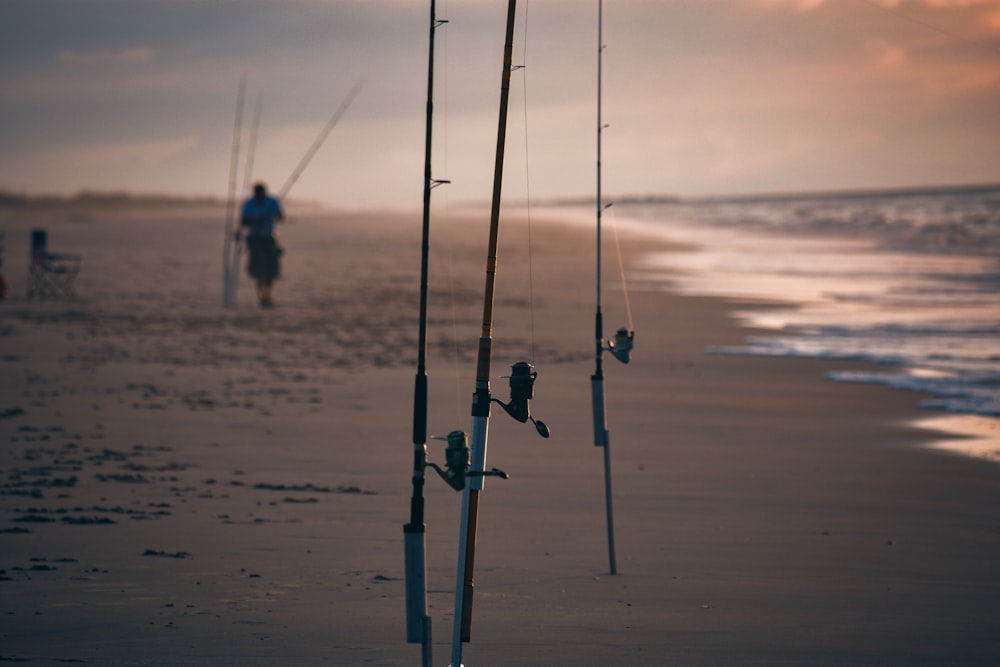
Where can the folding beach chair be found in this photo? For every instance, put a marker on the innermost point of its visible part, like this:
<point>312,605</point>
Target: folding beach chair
<point>50,274</point>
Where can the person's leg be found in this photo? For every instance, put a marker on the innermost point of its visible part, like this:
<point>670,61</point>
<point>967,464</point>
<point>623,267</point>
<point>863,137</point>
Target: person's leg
<point>264,293</point>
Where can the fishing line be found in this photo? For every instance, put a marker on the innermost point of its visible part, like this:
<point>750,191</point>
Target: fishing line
<point>456,355</point>
<point>621,269</point>
<point>527,184</point>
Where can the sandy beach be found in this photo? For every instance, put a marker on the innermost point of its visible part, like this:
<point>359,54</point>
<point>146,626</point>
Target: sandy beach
<point>188,485</point>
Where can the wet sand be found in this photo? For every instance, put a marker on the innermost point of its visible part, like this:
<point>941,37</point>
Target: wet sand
<point>188,485</point>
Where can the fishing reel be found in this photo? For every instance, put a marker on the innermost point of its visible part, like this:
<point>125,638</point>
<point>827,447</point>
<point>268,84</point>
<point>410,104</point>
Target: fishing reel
<point>456,458</point>
<point>522,381</point>
<point>621,345</point>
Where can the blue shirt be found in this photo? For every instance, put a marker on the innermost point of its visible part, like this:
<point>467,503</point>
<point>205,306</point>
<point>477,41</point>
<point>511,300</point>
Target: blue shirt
<point>259,216</point>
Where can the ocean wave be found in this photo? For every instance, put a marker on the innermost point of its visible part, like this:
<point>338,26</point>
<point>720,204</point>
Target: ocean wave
<point>908,280</point>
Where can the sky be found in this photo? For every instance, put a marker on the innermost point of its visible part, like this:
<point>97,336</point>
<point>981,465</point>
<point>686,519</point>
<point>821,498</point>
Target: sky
<point>699,97</point>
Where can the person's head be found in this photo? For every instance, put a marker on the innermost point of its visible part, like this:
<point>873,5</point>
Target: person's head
<point>260,192</point>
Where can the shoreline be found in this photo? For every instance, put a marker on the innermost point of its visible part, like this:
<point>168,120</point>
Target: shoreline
<point>256,468</point>
<point>967,433</point>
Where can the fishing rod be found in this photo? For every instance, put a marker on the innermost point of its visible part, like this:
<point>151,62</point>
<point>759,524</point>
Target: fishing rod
<point>251,149</point>
<point>334,119</point>
<point>621,345</point>
<point>236,249</point>
<point>228,270</point>
<point>522,380</point>
<point>418,623</point>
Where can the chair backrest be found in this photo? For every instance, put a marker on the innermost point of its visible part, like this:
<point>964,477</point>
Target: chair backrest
<point>39,247</point>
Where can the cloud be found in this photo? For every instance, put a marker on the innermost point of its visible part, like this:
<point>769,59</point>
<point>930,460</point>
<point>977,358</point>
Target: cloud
<point>798,5</point>
<point>128,56</point>
<point>701,96</point>
<point>886,56</point>
<point>949,4</point>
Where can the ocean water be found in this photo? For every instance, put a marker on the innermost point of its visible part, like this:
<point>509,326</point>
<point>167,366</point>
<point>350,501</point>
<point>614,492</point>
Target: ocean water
<point>907,279</point>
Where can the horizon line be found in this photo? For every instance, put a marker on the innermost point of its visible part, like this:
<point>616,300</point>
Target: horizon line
<point>124,196</point>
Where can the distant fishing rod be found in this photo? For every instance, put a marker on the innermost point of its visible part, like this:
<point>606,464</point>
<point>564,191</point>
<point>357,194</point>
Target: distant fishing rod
<point>418,623</point>
<point>228,271</point>
<point>236,246</point>
<point>522,380</point>
<point>251,149</point>
<point>334,119</point>
<point>621,346</point>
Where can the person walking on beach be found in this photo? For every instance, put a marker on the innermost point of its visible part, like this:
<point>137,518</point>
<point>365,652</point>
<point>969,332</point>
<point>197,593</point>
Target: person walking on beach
<point>260,214</point>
